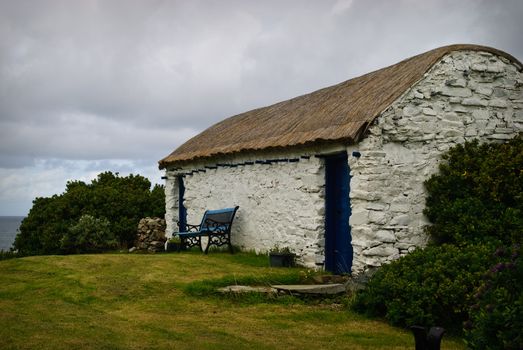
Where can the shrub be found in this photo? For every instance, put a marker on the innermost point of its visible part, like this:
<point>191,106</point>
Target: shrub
<point>123,201</point>
<point>89,234</point>
<point>478,194</point>
<point>4,255</point>
<point>475,203</point>
<point>428,287</point>
<point>496,319</point>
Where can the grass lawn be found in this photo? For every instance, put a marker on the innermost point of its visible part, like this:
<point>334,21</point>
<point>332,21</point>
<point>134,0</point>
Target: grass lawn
<point>166,301</point>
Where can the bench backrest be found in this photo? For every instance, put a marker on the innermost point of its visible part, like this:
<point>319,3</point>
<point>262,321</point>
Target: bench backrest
<point>222,216</point>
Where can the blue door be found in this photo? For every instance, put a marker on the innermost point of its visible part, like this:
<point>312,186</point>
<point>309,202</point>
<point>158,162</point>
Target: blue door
<point>338,248</point>
<point>182,212</point>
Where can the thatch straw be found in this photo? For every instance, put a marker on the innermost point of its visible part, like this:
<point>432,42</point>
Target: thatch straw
<point>337,113</point>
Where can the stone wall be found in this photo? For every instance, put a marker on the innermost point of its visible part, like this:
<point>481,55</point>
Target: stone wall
<point>281,203</point>
<point>467,95</point>
<point>151,235</point>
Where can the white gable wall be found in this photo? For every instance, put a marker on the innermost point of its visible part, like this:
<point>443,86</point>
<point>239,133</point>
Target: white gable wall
<point>467,95</point>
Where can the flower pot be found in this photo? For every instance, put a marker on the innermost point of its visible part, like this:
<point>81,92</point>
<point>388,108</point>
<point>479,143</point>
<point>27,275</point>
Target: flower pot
<point>173,247</point>
<point>281,259</point>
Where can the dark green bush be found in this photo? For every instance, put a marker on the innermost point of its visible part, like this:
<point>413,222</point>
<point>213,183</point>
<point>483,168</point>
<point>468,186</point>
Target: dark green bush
<point>123,201</point>
<point>475,204</point>
<point>432,286</point>
<point>4,255</point>
<point>478,194</point>
<point>496,319</point>
<point>88,235</point>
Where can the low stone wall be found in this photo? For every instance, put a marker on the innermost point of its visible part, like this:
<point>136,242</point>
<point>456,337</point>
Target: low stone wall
<point>151,235</point>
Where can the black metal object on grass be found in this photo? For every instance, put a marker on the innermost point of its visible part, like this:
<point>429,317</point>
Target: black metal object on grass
<point>427,341</point>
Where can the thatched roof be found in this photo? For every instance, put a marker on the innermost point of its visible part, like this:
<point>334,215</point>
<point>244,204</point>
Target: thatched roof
<point>336,113</point>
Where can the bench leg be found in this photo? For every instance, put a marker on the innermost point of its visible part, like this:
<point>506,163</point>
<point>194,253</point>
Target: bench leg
<point>208,244</point>
<point>200,243</point>
<point>188,242</point>
<point>219,240</point>
<point>183,245</point>
<point>231,249</point>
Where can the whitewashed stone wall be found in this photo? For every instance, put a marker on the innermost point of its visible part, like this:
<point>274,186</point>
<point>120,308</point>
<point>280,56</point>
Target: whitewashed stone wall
<point>281,203</point>
<point>171,205</point>
<point>467,95</point>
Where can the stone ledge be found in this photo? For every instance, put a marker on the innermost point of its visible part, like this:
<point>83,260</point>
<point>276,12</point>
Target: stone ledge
<point>247,289</point>
<point>312,288</point>
<point>309,289</point>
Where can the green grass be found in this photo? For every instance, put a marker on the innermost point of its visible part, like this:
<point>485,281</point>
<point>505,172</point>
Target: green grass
<point>168,301</point>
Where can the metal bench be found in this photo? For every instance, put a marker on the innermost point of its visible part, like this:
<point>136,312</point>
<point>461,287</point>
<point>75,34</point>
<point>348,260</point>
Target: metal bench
<point>215,225</point>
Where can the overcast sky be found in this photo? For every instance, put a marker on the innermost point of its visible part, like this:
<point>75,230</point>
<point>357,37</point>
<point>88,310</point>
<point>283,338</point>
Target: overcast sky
<point>88,86</point>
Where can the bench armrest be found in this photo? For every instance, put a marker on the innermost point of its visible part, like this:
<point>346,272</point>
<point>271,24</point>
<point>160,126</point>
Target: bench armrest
<point>189,227</point>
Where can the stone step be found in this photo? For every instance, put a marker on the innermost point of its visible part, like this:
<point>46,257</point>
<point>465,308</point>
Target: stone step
<point>334,288</point>
<point>247,289</point>
<point>310,289</point>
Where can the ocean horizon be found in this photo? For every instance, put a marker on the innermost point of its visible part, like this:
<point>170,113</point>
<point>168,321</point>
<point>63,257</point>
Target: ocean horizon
<point>8,229</point>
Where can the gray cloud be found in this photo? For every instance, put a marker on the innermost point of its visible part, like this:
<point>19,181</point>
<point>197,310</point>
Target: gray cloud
<point>88,137</point>
<point>128,81</point>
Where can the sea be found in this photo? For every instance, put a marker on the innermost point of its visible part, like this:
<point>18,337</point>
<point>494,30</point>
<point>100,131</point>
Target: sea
<point>8,229</point>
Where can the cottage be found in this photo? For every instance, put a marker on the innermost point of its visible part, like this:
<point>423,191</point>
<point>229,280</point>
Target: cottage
<point>337,175</point>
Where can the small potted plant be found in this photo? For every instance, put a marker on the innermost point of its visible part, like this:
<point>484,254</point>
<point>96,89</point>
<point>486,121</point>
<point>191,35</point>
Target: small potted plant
<point>174,244</point>
<point>281,257</point>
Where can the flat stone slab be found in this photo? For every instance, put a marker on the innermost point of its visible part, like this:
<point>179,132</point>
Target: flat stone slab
<point>247,289</point>
<point>334,288</point>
